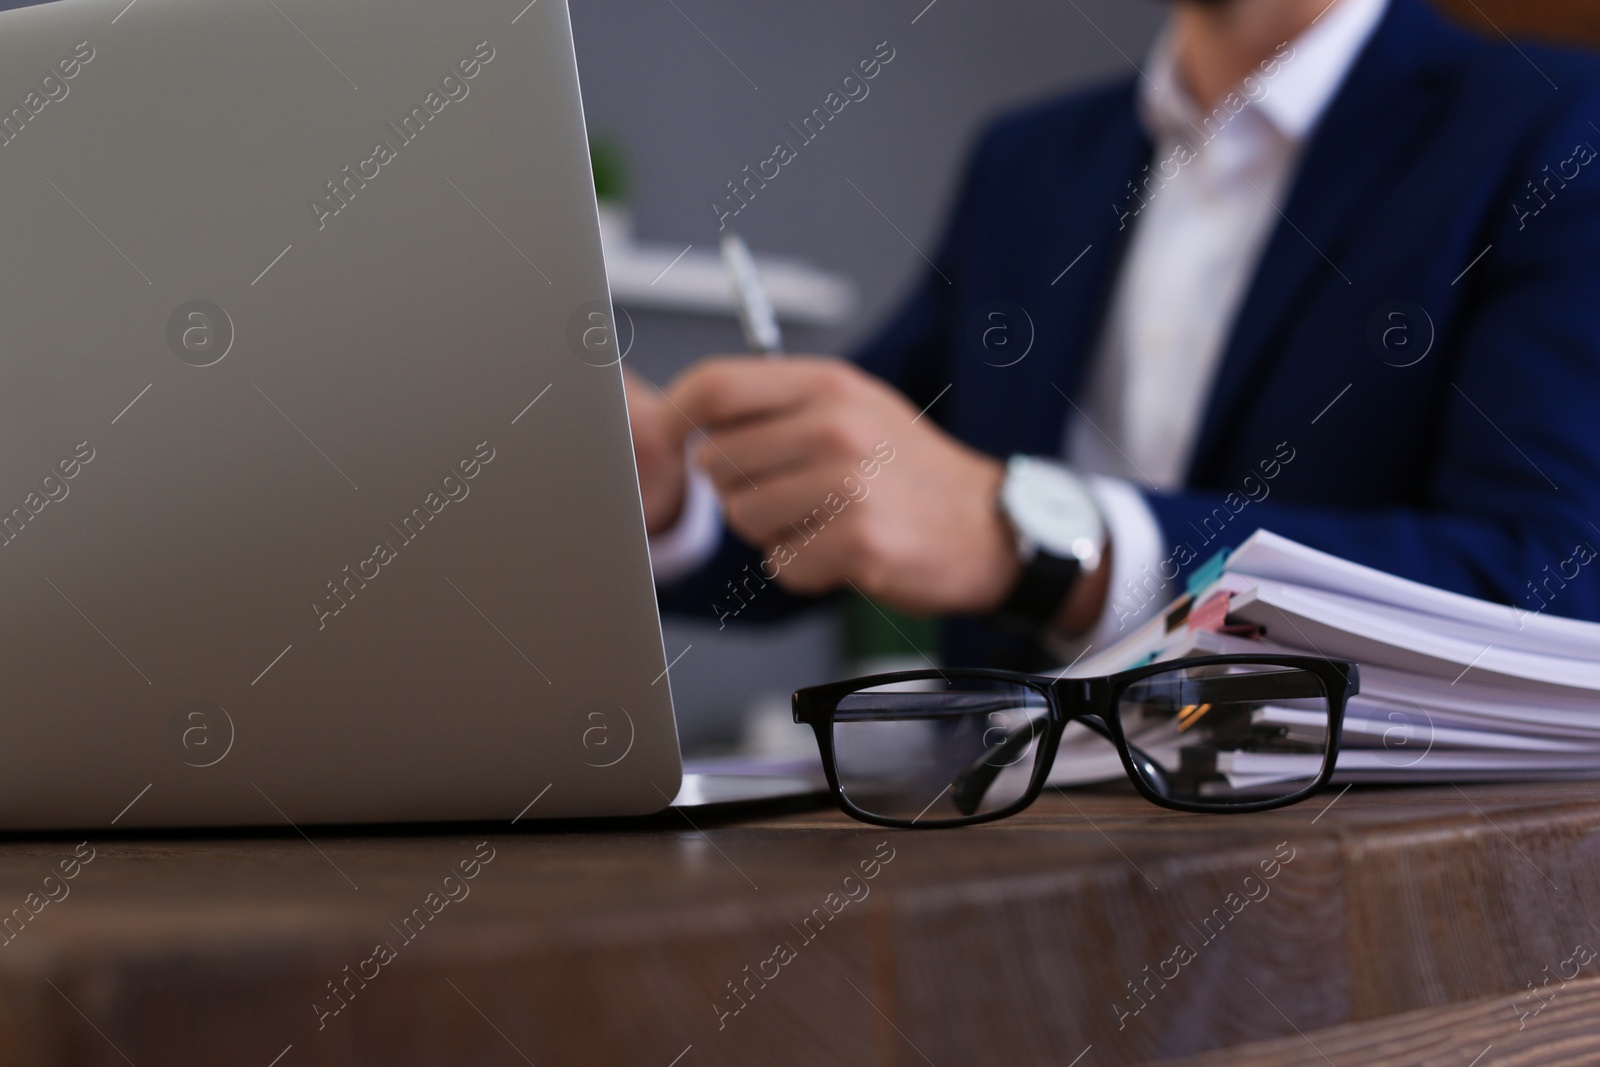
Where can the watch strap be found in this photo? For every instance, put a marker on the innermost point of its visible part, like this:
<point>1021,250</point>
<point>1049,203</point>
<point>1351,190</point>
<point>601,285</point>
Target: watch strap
<point>1040,590</point>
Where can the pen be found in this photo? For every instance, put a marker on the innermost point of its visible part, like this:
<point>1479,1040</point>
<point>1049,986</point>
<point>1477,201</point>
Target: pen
<point>756,316</point>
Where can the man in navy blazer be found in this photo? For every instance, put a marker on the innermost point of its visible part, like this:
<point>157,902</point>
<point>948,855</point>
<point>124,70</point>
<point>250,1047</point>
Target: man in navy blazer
<point>1407,374</point>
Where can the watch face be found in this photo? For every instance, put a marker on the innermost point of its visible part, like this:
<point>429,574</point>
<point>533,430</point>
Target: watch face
<point>1052,508</point>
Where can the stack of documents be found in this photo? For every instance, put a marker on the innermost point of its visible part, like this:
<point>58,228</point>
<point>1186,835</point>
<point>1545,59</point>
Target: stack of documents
<point>1452,688</point>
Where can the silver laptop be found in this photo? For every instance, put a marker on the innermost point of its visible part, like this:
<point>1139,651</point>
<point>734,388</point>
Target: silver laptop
<point>316,493</point>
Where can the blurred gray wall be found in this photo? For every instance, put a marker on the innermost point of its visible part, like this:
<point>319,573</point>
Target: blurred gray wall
<point>695,90</point>
<point>691,121</point>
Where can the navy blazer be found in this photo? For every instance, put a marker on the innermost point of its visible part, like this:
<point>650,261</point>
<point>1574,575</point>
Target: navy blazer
<point>1421,338</point>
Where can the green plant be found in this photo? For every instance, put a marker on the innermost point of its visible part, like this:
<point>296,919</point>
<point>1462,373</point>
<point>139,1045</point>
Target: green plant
<point>610,164</point>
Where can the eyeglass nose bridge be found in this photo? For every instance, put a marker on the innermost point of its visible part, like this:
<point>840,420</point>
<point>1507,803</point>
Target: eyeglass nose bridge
<point>1144,764</point>
<point>1074,696</point>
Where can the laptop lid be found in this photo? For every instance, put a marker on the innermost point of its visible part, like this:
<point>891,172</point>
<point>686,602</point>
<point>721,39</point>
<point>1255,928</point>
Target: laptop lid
<point>317,499</point>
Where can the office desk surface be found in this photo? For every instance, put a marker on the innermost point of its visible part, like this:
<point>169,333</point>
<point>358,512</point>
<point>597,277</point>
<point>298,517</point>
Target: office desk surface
<point>1094,926</point>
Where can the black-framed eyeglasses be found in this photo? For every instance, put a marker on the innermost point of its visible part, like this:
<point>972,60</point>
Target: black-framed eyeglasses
<point>1205,734</point>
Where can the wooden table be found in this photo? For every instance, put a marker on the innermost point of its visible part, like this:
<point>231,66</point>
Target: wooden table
<point>1305,933</point>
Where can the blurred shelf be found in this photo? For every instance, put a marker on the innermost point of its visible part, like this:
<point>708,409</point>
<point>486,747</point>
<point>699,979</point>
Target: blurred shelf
<point>693,281</point>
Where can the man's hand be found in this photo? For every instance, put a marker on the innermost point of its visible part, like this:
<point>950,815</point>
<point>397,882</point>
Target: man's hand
<point>658,442</point>
<point>835,477</point>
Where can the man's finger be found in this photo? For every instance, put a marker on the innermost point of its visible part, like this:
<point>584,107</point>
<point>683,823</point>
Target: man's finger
<point>722,391</point>
<point>763,448</point>
<point>792,507</point>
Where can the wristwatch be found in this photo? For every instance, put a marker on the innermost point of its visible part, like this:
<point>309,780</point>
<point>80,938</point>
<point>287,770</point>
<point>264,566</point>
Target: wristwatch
<point>1060,535</point>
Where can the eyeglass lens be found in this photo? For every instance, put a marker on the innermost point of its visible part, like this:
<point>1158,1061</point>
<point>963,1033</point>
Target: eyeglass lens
<point>939,750</point>
<point>1227,733</point>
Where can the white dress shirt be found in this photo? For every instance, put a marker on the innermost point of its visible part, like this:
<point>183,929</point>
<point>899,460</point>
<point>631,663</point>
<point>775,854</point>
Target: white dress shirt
<point>1199,229</point>
<point>1198,234</point>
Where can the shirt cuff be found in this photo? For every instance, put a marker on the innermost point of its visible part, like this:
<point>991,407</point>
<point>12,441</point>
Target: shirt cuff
<point>1136,589</point>
<point>690,543</point>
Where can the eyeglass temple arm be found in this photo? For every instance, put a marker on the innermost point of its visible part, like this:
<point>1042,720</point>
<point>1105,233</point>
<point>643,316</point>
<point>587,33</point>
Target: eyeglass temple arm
<point>973,783</point>
<point>905,706</point>
<point>1235,688</point>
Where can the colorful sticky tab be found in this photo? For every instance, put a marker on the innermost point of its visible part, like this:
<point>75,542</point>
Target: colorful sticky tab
<point>1211,613</point>
<point>1208,572</point>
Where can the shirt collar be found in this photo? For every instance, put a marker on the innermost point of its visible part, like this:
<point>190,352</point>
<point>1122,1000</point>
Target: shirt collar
<point>1292,99</point>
